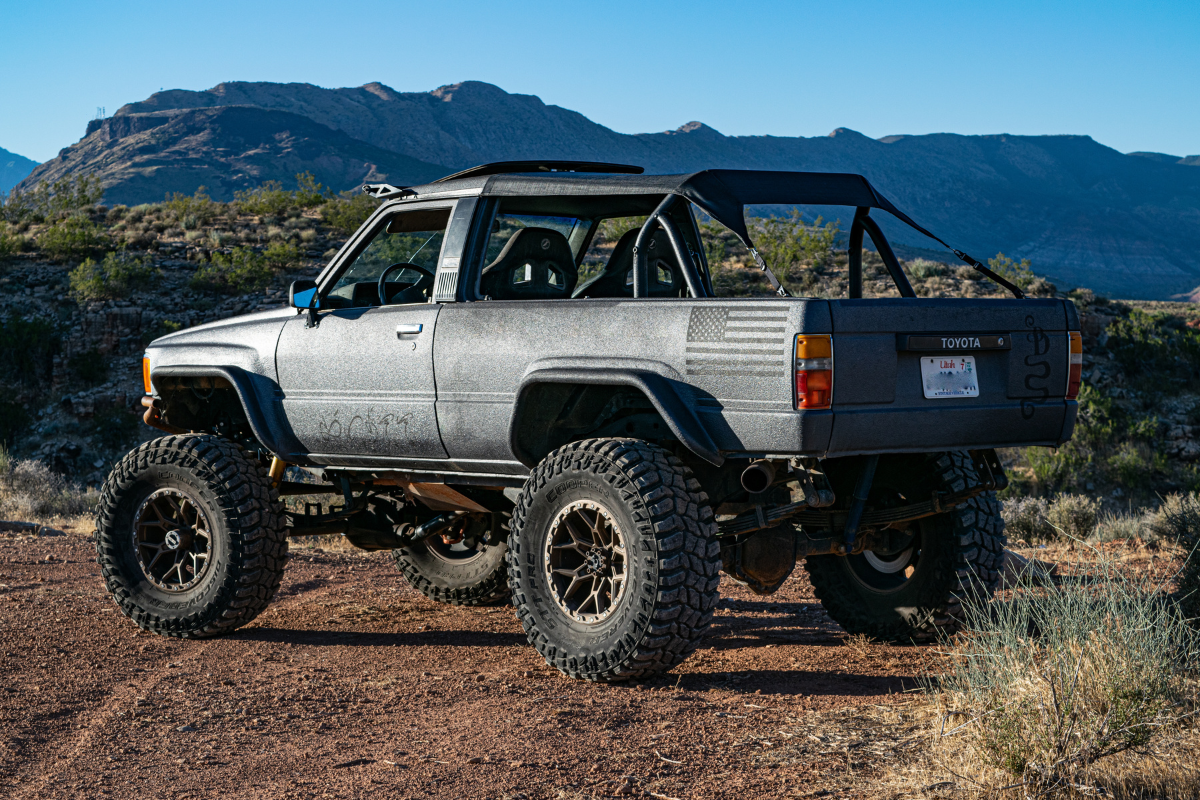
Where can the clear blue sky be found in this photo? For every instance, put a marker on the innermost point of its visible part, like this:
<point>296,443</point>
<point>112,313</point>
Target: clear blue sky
<point>1128,74</point>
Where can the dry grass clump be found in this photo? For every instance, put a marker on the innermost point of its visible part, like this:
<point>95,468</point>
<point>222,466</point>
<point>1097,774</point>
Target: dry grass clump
<point>1033,519</point>
<point>1084,689</point>
<point>31,492</point>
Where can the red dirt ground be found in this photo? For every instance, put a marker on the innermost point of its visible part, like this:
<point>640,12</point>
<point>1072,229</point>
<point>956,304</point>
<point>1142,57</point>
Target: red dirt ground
<point>354,685</point>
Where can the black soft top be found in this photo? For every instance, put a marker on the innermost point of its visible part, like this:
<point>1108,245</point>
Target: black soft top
<point>723,194</point>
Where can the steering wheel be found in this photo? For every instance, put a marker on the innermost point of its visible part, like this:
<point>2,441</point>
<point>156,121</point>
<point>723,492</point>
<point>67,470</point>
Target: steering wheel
<point>422,283</point>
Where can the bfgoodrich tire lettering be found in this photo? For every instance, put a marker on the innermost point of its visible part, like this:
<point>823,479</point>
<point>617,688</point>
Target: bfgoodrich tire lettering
<point>960,553</point>
<point>671,576</point>
<point>247,540</point>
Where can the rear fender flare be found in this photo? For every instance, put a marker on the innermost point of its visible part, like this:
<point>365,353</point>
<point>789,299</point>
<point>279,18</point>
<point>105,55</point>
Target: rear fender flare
<point>680,418</point>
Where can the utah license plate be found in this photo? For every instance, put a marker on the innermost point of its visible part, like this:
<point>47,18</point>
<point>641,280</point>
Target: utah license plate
<point>949,376</point>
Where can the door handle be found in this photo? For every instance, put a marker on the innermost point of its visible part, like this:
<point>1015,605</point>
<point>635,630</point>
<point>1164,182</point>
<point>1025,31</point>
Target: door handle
<point>409,328</point>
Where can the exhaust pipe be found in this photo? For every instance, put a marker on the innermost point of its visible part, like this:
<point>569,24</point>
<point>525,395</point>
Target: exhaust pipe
<point>758,477</point>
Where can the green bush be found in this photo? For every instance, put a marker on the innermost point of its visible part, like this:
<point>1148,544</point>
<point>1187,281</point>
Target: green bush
<point>243,270</point>
<point>73,237</point>
<point>272,200</point>
<point>1045,685</point>
<point>282,255</point>
<point>348,212</point>
<point>29,490</point>
<point>1020,273</point>
<point>114,278</point>
<point>13,419</point>
<point>1074,515</point>
<point>923,269</point>
<point>90,367</point>
<point>192,212</point>
<point>48,201</point>
<point>792,247</point>
<point>1157,346</point>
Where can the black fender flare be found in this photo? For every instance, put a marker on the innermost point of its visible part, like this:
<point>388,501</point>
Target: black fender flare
<point>259,417</point>
<point>680,418</point>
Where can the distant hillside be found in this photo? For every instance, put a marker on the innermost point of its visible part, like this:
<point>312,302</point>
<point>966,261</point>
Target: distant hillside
<point>1084,213</point>
<point>13,169</point>
<point>142,157</point>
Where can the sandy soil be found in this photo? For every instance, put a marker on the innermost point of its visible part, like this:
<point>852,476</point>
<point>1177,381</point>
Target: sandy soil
<point>354,685</point>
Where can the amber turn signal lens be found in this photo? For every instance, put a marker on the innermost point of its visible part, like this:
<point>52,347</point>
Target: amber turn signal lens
<point>814,370</point>
<point>146,374</point>
<point>1074,364</point>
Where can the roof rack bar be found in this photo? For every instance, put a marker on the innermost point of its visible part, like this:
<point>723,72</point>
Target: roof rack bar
<point>511,167</point>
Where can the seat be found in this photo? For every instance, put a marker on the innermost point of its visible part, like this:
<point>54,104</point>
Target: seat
<point>666,278</point>
<point>535,264</point>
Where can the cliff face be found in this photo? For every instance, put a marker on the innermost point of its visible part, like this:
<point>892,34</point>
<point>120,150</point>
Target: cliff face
<point>1083,213</point>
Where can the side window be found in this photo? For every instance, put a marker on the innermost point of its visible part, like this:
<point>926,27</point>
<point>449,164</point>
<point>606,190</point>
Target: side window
<point>531,257</point>
<point>407,245</point>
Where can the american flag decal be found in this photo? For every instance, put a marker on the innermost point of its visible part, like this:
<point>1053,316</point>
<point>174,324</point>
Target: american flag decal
<point>743,342</point>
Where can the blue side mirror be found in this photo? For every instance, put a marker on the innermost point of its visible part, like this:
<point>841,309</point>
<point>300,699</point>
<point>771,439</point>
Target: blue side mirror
<point>303,294</point>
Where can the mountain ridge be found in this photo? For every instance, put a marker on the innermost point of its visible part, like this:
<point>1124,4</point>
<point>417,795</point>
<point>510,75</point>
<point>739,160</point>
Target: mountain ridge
<point>13,169</point>
<point>1084,213</point>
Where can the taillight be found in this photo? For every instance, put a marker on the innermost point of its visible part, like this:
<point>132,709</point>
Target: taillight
<point>146,374</point>
<point>814,370</point>
<point>1075,365</point>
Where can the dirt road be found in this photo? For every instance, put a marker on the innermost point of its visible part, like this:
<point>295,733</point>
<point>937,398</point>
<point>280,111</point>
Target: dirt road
<point>353,685</point>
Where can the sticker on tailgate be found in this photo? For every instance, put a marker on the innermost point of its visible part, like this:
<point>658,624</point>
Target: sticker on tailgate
<point>949,376</point>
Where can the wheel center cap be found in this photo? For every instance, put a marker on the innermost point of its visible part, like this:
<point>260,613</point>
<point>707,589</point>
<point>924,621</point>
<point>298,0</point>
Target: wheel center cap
<point>177,539</point>
<point>596,562</point>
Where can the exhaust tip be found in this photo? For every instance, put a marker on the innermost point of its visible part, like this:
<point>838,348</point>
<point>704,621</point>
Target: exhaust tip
<point>758,477</point>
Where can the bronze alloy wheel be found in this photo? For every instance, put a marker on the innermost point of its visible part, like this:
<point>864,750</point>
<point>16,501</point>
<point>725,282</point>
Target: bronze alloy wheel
<point>585,561</point>
<point>173,540</point>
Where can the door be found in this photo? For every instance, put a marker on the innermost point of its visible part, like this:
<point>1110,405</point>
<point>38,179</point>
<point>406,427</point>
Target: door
<point>360,382</point>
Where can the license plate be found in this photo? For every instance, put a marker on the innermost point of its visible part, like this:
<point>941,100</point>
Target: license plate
<point>949,376</point>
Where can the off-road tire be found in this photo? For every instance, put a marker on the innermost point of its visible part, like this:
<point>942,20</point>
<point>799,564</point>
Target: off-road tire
<point>672,583</point>
<point>479,581</point>
<point>247,522</point>
<point>962,555</point>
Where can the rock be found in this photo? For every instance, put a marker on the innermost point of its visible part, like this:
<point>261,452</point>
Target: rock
<point>186,729</point>
<point>1018,568</point>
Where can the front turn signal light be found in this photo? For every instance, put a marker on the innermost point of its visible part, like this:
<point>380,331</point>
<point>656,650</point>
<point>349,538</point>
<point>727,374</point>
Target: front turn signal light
<point>1074,364</point>
<point>814,370</point>
<point>146,374</point>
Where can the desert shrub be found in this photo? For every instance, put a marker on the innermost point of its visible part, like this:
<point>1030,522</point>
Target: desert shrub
<point>243,270</point>
<point>114,278</point>
<point>27,349</point>
<point>191,212</point>
<point>51,200</point>
<point>282,255</point>
<point>1074,515</point>
<point>1124,526</point>
<point>272,200</point>
<point>1025,519</point>
<point>348,212</point>
<point>1018,272</point>
<point>923,269</point>
<point>1178,519</point>
<point>1047,686</point>
<point>1156,345</point>
<point>790,246</point>
<point>73,237</point>
<point>30,491</point>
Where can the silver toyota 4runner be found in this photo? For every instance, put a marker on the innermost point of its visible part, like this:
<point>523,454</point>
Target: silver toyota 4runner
<point>593,450</point>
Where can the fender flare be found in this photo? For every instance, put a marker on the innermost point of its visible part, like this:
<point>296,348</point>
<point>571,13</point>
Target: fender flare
<point>679,417</point>
<point>243,383</point>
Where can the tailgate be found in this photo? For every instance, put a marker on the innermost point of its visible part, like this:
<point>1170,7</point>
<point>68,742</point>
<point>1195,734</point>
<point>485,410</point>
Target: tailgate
<point>1017,350</point>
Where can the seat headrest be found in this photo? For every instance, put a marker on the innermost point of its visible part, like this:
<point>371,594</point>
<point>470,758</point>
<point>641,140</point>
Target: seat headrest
<point>535,264</point>
<point>614,281</point>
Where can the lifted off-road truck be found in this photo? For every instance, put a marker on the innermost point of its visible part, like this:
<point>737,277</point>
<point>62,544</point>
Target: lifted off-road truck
<point>592,448</point>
